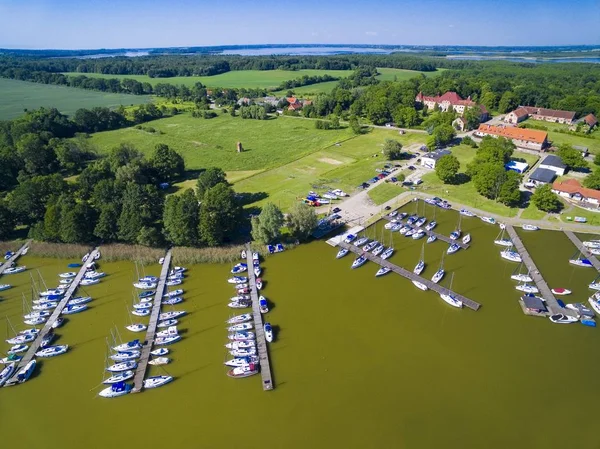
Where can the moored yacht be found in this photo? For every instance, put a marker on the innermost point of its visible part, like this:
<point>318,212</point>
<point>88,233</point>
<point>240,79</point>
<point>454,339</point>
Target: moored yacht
<point>581,262</point>
<point>244,370</point>
<point>437,277</point>
<point>382,271</point>
<point>431,225</point>
<point>378,250</point>
<point>119,377</point>
<point>341,253</point>
<point>466,239</point>
<point>450,299</point>
<point>521,277</point>
<point>116,390</point>
<point>432,238</point>
<point>419,267</point>
<point>561,291</point>
<point>511,255</point>
<point>359,261</point>
<point>560,318</point>
<point>527,288</point>
<point>157,381</point>
<point>420,285</point>
<point>452,248</point>
<point>387,253</point>
<point>361,241</point>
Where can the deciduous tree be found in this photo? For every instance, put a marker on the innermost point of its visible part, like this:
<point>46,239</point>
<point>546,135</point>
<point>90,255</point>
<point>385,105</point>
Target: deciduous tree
<point>545,200</point>
<point>210,178</point>
<point>392,149</point>
<point>167,163</point>
<point>302,221</point>
<point>571,157</point>
<point>447,168</point>
<point>219,215</point>
<point>266,228</point>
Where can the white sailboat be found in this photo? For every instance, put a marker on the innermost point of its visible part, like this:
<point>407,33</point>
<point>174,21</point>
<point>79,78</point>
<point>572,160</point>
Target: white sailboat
<point>449,298</point>
<point>513,256</point>
<point>439,274</point>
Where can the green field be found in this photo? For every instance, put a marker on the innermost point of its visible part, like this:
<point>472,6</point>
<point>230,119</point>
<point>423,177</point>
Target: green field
<point>18,96</point>
<point>402,75</point>
<point>235,79</point>
<point>385,192</point>
<point>310,91</point>
<point>558,138</point>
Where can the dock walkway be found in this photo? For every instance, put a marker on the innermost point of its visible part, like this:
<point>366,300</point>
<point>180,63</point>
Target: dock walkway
<point>35,345</point>
<point>535,274</point>
<point>140,372</point>
<point>581,247</point>
<point>410,275</point>
<point>14,257</point>
<point>261,342</point>
<point>428,233</point>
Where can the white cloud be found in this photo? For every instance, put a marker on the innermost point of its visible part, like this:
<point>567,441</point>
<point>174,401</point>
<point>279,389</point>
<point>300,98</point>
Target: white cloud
<point>371,33</point>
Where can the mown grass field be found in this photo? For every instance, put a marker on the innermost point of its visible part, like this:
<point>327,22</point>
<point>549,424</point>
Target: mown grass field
<point>17,96</point>
<point>558,138</point>
<point>385,192</point>
<point>387,74</point>
<point>239,78</point>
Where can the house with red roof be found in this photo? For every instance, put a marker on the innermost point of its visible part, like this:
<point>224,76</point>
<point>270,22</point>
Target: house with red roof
<point>535,113</point>
<point>591,121</point>
<point>572,190</point>
<point>451,101</point>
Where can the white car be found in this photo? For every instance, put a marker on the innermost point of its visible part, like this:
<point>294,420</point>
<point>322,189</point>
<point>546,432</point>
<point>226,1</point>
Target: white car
<point>339,192</point>
<point>417,181</point>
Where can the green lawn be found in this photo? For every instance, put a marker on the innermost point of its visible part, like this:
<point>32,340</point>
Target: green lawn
<point>387,74</point>
<point>532,213</point>
<point>310,91</point>
<point>234,79</point>
<point>557,138</point>
<point>385,192</point>
<point>17,96</point>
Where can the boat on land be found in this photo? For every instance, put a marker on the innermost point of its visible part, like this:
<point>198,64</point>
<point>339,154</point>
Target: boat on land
<point>71,309</point>
<point>431,225</point>
<point>128,346</point>
<point>420,285</point>
<point>52,351</point>
<point>452,248</point>
<point>122,366</point>
<point>119,377</point>
<point>7,372</point>
<point>15,270</point>
<point>513,256</point>
<point>466,239</point>
<point>466,213</point>
<point>240,318</point>
<point>527,288</point>
<point>116,390</point>
<point>244,370</point>
<point>268,332</point>
<point>341,253</point>
<point>359,261</point>
<point>579,262</point>
<point>560,318</point>
<point>239,268</point>
<point>561,291</point>
<point>529,227</point>
<point>25,373</point>
<point>489,220</point>
<point>241,361</point>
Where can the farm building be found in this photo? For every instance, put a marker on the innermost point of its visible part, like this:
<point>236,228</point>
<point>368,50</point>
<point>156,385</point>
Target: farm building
<point>574,191</point>
<point>430,159</point>
<point>542,176</point>
<point>548,115</point>
<point>524,138</point>
<point>519,167</point>
<point>516,116</point>
<point>451,100</point>
<point>554,163</point>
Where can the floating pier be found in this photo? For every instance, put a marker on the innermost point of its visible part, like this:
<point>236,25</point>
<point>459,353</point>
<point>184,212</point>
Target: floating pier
<point>411,276</point>
<point>428,233</point>
<point>14,257</point>
<point>140,372</point>
<point>35,345</point>
<point>261,342</point>
<point>535,274</point>
<point>581,247</point>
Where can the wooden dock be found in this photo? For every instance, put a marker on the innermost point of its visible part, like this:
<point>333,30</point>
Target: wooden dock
<point>428,233</point>
<point>35,345</point>
<point>411,276</point>
<point>14,257</point>
<point>140,372</point>
<point>535,274</point>
<point>261,342</point>
<point>581,247</point>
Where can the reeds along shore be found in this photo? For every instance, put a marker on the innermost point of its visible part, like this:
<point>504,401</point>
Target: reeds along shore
<point>142,254</point>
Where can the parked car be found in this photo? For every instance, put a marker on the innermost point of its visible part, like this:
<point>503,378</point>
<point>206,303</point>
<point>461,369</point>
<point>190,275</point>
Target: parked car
<point>417,181</point>
<point>365,185</point>
<point>412,167</point>
<point>394,179</point>
<point>381,176</point>
<point>336,210</point>
<point>387,207</point>
<point>407,183</point>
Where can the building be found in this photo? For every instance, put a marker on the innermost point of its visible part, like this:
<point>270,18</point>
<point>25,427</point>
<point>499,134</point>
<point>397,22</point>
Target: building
<point>273,101</point>
<point>459,123</point>
<point>430,159</point>
<point>451,100</point>
<point>555,164</point>
<point>548,115</point>
<point>534,304</point>
<point>524,138</point>
<point>591,121</point>
<point>584,150</point>
<point>295,106</point>
<point>542,176</point>
<point>572,190</point>
<point>519,167</point>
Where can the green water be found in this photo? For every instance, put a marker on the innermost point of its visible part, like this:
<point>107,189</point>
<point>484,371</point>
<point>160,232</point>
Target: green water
<point>359,362</point>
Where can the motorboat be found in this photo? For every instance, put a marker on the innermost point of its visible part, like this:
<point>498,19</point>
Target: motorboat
<point>77,308</point>
<point>32,331</point>
<point>452,248</point>
<point>116,390</point>
<point>149,279</point>
<point>378,250</point>
<point>55,292</point>
<point>396,227</point>
<point>58,323</point>
<point>418,234</point>
<point>169,331</point>
<point>171,314</point>
<point>466,239</point>
<point>390,224</point>
<point>437,277</point>
<point>431,225</point>
<point>432,238</point>
<point>47,339</point>
<point>240,318</point>
<point>561,291</point>
<point>177,269</point>
<point>361,241</point>
<point>147,294</point>
<point>587,321</point>
<point>126,355</point>
<point>594,301</point>
<point>173,301</point>
<point>528,227</point>
<point>239,305</point>
<point>393,213</point>
<point>15,270</point>
<point>581,262</point>
<point>503,242</point>
<point>419,267</point>
<point>25,373</point>
<point>141,312</point>
<point>404,229</point>
<point>145,285</point>
<point>92,282</point>
<point>120,377</point>
<point>240,286</point>
<point>341,253</point>
<point>594,251</point>
<point>16,349</point>
<point>167,323</point>
<point>369,246</point>
<point>450,299</point>
<point>10,358</point>
<point>349,238</point>
<point>149,300</point>
<point>527,288</point>
<point>136,327</point>
<point>521,278</point>
<point>173,283</point>
<point>420,222</point>
<point>7,372</point>
<point>240,327</point>
<point>592,244</point>
<point>142,305</point>
<point>420,285</point>
<point>241,344</point>
<point>157,381</point>
<point>8,255</point>
<point>412,219</point>
<point>243,352</point>
<point>45,305</point>
<point>244,370</point>
<point>5,287</point>
<point>511,255</point>
<point>594,286</point>
<point>241,361</point>
<point>382,271</point>
<point>455,235</point>
<point>122,366</point>
<point>255,256</point>
<point>581,309</point>
<point>129,346</point>
<point>387,253</point>
<point>257,271</point>
<point>268,332</point>
<point>177,292</point>
<point>359,261</point>
<point>35,321</point>
<point>466,213</point>
<point>259,284</point>
<point>241,336</point>
<point>70,274</point>
<point>52,351</point>
<point>36,315</point>
<point>489,220</point>
<point>79,300</point>
<point>560,318</point>
<point>402,216</point>
<point>237,280</point>
<point>410,232</point>
<point>167,340</point>
<point>94,275</point>
<point>22,338</point>
<point>263,304</point>
<point>160,361</point>
<point>176,277</point>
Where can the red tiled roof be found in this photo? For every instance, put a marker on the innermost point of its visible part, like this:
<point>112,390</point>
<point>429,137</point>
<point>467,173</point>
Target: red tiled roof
<point>292,100</point>
<point>520,112</point>
<point>529,135</point>
<point>451,97</point>
<point>554,113</point>
<point>572,186</point>
<point>294,106</point>
<point>590,120</point>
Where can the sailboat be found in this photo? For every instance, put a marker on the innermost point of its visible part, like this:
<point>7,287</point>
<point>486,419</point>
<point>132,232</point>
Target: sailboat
<point>439,274</point>
<point>382,271</point>
<point>511,255</point>
<point>500,240</point>
<point>455,235</point>
<point>449,298</point>
<point>420,266</point>
<point>341,253</point>
<point>581,262</point>
<point>387,253</point>
<point>521,277</point>
<point>134,327</point>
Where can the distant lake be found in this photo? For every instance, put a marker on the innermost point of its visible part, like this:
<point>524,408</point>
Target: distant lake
<point>523,59</point>
<point>316,51</point>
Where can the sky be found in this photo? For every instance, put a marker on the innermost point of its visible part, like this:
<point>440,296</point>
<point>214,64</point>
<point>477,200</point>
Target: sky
<point>85,24</point>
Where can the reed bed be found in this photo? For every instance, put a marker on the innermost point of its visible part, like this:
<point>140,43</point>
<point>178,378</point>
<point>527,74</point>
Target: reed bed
<point>58,250</point>
<point>11,245</point>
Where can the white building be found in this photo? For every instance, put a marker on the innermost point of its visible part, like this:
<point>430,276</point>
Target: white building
<point>555,164</point>
<point>430,159</point>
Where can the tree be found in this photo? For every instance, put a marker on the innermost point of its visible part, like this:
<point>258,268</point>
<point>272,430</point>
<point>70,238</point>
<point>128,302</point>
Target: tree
<point>472,117</point>
<point>489,179</point>
<point>123,155</point>
<point>592,181</point>
<point>302,220</point>
<point>52,223</point>
<point>219,215</point>
<point>447,168</point>
<point>180,219</point>
<point>131,220</point>
<point>571,157</point>
<point>355,125</point>
<point>392,149</point>
<point>77,223</point>
<point>545,200</point>
<point>443,134</point>
<point>597,159</point>
<point>28,200</point>
<point>266,228</point>
<point>167,163</point>
<point>508,102</point>
<point>7,222</point>
<point>106,227</point>
<point>149,236</point>
<point>509,193</point>
<point>38,158</point>
<point>210,178</point>
<point>491,151</point>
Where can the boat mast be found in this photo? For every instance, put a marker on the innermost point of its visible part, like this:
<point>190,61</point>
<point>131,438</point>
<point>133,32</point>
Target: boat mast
<point>423,252</point>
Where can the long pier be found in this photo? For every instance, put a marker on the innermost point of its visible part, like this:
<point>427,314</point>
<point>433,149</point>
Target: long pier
<point>261,342</point>
<point>14,257</point>
<point>410,275</point>
<point>140,372</point>
<point>35,345</point>
<point>535,274</point>
<point>441,237</point>
<point>581,247</point>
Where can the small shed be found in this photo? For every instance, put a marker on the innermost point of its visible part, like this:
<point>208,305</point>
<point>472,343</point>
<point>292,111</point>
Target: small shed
<point>430,159</point>
<point>542,176</point>
<point>534,304</point>
<point>519,167</point>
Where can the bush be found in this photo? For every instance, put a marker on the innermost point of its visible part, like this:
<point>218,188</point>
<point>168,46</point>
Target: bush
<point>392,149</point>
<point>467,140</point>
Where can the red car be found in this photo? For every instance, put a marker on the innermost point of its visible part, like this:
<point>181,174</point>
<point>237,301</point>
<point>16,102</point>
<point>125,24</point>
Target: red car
<point>381,176</point>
